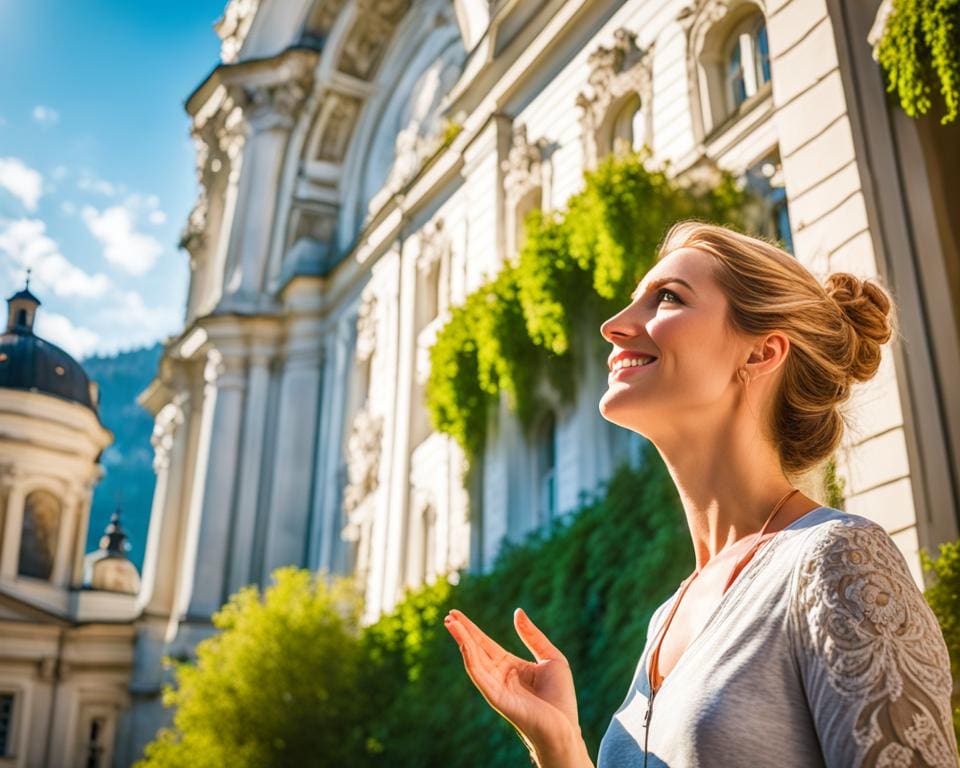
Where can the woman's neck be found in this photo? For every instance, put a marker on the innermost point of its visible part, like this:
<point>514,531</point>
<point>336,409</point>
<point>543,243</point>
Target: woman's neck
<point>728,486</point>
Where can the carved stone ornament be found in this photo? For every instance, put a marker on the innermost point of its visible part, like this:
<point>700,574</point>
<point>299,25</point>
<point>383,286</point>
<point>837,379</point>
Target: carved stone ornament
<point>367,326</point>
<point>165,427</point>
<point>275,105</point>
<point>363,458</point>
<point>371,33</point>
<point>523,167</point>
<point>233,26</point>
<point>339,114</point>
<point>434,244</point>
<point>323,16</point>
<point>614,73</point>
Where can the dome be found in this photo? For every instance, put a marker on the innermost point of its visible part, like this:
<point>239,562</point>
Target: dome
<point>29,363</point>
<point>108,567</point>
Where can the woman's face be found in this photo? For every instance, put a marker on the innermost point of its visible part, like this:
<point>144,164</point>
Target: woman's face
<point>693,380</point>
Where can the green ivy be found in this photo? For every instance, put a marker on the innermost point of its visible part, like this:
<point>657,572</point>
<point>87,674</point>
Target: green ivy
<point>944,598</point>
<point>833,485</point>
<point>920,53</point>
<point>575,269</point>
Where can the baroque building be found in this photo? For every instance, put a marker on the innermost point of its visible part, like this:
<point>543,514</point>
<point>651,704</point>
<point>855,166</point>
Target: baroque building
<point>67,621</point>
<point>364,165</point>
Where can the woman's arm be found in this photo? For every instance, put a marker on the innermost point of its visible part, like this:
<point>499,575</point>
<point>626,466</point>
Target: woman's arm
<point>873,660</point>
<point>537,698</point>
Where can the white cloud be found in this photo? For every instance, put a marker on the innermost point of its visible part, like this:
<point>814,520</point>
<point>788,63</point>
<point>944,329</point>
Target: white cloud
<point>45,116</point>
<point>68,208</point>
<point>21,181</point>
<point>123,246</point>
<point>90,183</point>
<point>59,173</point>
<point>136,323</point>
<point>76,340</point>
<point>25,241</point>
<point>157,217</point>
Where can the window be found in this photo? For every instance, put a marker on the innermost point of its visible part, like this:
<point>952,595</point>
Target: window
<point>772,218</point>
<point>546,471</point>
<point>747,61</point>
<point>38,539</point>
<point>95,746</point>
<point>6,724</point>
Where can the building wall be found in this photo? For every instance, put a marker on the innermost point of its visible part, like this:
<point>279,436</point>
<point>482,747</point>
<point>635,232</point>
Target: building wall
<point>297,431</point>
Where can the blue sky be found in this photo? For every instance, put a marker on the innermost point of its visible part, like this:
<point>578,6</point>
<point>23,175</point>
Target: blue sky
<point>96,162</point>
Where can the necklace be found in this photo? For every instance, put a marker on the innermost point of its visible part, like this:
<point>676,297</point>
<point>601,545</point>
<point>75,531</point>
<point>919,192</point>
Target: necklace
<point>655,655</point>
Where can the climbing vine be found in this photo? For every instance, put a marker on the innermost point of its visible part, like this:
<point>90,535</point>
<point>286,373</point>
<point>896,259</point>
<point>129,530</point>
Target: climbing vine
<point>576,268</point>
<point>920,53</point>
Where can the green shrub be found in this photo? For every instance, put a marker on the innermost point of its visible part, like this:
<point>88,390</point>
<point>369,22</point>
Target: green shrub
<point>944,598</point>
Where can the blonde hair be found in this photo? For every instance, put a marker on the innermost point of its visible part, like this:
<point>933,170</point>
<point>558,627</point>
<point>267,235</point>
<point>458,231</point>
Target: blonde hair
<point>835,331</point>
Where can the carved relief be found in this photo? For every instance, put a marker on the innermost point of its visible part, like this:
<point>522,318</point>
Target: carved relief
<point>523,167</point>
<point>370,36</point>
<point>363,459</point>
<point>275,105</point>
<point>165,427</point>
<point>234,26</point>
<point>367,326</point>
<point>340,116</point>
<point>322,17</point>
<point>615,73</point>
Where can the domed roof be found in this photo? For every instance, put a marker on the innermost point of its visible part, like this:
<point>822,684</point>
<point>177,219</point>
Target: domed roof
<point>30,363</point>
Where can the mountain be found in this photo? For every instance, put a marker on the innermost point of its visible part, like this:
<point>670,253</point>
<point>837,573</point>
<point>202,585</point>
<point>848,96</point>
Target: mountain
<point>128,479</point>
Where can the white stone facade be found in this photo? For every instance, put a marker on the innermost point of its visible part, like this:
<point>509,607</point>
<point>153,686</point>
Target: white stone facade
<point>365,164</point>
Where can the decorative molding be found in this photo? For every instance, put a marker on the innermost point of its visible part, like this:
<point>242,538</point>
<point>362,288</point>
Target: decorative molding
<point>273,105</point>
<point>234,26</point>
<point>367,326</point>
<point>523,167</point>
<point>370,35</point>
<point>615,73</point>
<point>363,459</point>
<point>434,245</point>
<point>168,420</point>
<point>339,115</point>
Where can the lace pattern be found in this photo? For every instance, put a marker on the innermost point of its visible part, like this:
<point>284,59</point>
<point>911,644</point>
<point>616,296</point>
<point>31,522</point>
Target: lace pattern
<point>866,628</point>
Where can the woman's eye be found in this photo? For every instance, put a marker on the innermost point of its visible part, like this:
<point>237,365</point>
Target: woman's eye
<point>667,290</point>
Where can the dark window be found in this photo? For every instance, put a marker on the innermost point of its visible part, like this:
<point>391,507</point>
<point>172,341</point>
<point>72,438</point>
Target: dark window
<point>21,317</point>
<point>38,538</point>
<point>762,54</point>
<point>6,722</point>
<point>95,744</point>
<point>735,82</point>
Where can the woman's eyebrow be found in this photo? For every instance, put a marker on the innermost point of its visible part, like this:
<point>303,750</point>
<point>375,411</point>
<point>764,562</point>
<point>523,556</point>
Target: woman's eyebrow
<point>662,281</point>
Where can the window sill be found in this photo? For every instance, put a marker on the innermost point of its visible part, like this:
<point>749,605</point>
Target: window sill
<point>735,126</point>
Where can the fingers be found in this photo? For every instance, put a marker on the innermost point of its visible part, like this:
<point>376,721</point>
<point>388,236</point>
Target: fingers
<point>479,666</point>
<point>541,647</point>
<point>486,645</point>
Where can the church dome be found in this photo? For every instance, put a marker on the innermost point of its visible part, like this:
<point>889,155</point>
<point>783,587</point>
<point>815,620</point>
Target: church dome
<point>108,567</point>
<point>30,363</point>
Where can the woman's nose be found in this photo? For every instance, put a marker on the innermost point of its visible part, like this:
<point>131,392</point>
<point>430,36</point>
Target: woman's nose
<point>618,327</point>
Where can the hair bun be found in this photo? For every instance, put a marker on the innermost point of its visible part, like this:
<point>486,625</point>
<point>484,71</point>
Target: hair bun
<point>865,307</point>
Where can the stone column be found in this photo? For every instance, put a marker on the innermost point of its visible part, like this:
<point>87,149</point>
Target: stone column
<point>13,523</point>
<point>289,508</point>
<point>70,506</point>
<point>251,458</point>
<point>224,375</point>
<point>270,113</point>
<point>169,439</point>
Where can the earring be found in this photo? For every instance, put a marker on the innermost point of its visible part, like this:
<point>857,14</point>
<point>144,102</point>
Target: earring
<point>742,374</point>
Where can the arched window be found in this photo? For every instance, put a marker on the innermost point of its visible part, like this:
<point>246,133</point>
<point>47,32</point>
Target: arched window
<point>747,61</point>
<point>38,538</point>
<point>546,470</point>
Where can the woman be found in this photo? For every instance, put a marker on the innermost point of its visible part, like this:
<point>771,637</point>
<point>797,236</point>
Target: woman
<point>801,638</point>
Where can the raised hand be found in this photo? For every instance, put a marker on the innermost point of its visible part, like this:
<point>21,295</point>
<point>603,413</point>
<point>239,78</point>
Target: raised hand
<point>537,698</point>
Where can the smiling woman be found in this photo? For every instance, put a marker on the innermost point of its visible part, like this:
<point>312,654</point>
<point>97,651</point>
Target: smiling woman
<point>801,638</point>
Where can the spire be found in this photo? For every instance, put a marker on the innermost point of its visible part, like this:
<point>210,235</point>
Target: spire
<point>22,309</point>
<point>114,540</point>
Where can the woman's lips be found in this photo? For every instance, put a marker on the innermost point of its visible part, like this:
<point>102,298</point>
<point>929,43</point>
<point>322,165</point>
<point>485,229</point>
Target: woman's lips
<point>632,370</point>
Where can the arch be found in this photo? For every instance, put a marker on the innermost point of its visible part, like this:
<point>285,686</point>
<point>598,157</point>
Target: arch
<point>42,512</point>
<point>716,54</point>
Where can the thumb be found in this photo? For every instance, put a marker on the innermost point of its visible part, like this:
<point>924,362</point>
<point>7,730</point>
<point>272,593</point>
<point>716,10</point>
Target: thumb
<point>541,648</point>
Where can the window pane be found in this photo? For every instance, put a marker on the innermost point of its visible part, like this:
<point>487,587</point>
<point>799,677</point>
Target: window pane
<point>762,56</point>
<point>6,721</point>
<point>735,84</point>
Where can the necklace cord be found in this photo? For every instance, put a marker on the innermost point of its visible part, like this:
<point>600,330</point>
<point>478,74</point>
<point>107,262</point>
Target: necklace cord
<point>655,655</point>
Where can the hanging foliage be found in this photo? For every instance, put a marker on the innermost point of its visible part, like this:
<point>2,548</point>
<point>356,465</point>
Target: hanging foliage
<point>920,53</point>
<point>576,268</point>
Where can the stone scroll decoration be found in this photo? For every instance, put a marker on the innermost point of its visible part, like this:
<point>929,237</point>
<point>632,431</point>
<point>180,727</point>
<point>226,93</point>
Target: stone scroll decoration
<point>372,31</point>
<point>525,167</point>
<point>617,73</point>
<point>363,465</point>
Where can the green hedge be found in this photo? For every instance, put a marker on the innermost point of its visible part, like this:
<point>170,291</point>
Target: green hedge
<point>943,595</point>
<point>290,682</point>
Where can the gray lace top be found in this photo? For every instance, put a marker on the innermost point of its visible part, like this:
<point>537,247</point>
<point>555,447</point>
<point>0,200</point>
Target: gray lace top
<point>823,652</point>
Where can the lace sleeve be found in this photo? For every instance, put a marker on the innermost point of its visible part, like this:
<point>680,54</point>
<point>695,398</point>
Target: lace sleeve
<point>872,657</point>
